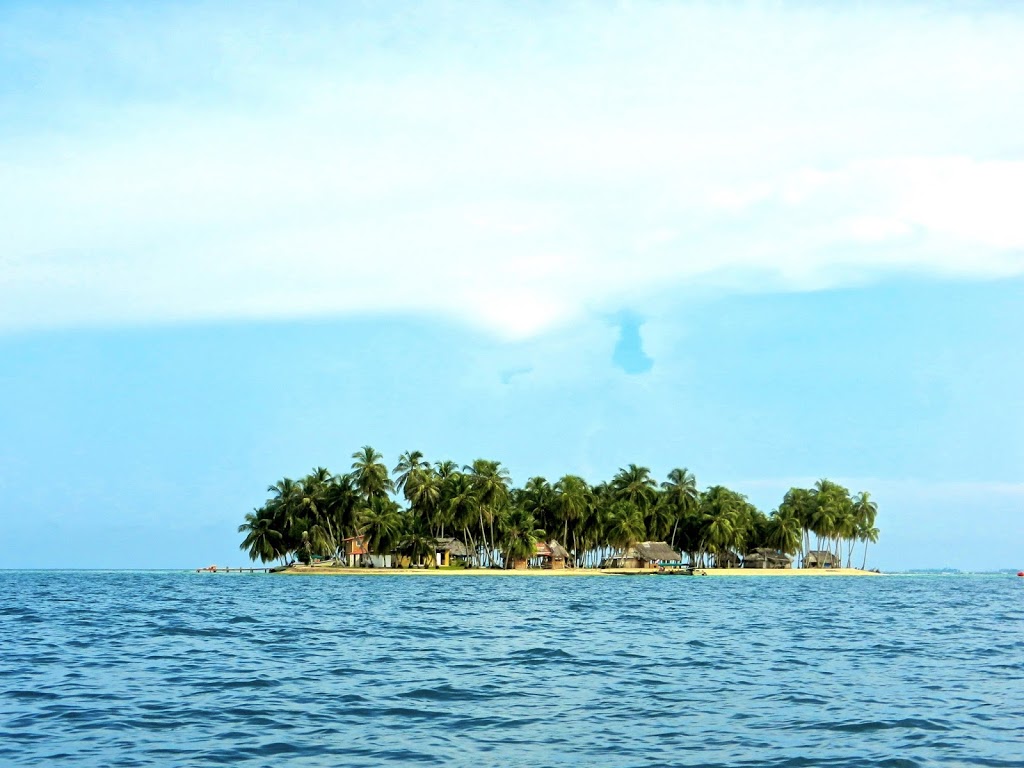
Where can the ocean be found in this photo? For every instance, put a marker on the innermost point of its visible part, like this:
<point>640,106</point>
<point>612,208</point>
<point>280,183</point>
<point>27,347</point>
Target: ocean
<point>184,669</point>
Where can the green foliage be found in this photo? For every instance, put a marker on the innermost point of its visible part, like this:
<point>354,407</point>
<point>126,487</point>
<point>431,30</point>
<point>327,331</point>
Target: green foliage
<point>314,515</point>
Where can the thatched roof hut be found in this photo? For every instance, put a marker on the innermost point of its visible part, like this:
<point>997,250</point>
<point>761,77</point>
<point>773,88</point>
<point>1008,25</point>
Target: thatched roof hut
<point>557,550</point>
<point>657,551</point>
<point>453,547</point>
<point>646,554</point>
<point>766,558</point>
<point>726,559</point>
<point>819,558</point>
<point>552,554</point>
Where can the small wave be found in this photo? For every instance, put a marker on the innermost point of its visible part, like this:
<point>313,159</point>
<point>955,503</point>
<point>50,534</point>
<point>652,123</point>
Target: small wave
<point>867,726</point>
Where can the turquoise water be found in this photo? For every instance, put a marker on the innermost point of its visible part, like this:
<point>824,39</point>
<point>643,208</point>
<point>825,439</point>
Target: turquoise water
<point>181,669</point>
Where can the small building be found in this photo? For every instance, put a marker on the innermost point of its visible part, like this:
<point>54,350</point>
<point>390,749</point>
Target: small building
<point>451,552</point>
<point>818,558</point>
<point>552,555</point>
<point>355,551</point>
<point>357,555</point>
<point>726,559</point>
<point>547,554</point>
<point>646,554</point>
<point>766,558</point>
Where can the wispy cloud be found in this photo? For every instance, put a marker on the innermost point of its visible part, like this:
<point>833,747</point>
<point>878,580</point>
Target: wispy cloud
<point>511,169</point>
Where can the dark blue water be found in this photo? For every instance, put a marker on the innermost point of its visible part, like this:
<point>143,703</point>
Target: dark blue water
<point>180,669</point>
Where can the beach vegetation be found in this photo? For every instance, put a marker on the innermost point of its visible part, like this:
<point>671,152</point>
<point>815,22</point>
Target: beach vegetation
<point>407,511</point>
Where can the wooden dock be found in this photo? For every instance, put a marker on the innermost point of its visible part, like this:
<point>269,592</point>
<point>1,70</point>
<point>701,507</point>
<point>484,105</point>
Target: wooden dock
<point>219,569</point>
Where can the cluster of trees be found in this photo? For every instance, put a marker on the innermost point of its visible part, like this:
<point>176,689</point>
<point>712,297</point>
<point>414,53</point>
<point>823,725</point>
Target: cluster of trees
<point>407,509</point>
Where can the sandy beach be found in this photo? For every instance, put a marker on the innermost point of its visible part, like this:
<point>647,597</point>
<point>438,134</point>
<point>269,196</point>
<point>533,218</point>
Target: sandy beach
<point>303,570</point>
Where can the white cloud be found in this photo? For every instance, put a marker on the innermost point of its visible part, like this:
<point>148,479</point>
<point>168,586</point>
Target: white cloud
<point>507,171</point>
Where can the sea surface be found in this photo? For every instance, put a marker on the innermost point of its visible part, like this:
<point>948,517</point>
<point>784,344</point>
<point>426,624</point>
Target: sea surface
<point>185,669</point>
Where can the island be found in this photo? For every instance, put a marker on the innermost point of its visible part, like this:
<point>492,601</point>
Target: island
<point>440,518</point>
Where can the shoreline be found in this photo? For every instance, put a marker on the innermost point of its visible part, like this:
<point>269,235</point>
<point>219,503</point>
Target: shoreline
<point>571,572</point>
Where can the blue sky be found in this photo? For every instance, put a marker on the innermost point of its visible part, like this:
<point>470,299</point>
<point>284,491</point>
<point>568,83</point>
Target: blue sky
<point>770,243</point>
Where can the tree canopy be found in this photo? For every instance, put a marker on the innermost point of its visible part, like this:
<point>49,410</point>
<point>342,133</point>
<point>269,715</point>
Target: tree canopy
<point>408,510</point>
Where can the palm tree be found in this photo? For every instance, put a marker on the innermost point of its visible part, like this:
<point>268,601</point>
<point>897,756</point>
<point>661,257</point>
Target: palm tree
<point>369,474</point>
<point>680,496</point>
<point>261,540</point>
<point>381,525</point>
<point>519,536</point>
<point>340,504</point>
<point>538,498</point>
<point>572,502</point>
<point>800,503</point>
<point>460,505</point>
<point>284,506</point>
<point>446,468</point>
<point>723,511</point>
<point>864,513</point>
<point>867,534</point>
<point>424,489</point>
<point>784,531</point>
<point>832,505</point>
<point>409,463</point>
<point>635,485</point>
<point>491,482</point>
<point>625,525</point>
<point>313,492</point>
<point>417,541</point>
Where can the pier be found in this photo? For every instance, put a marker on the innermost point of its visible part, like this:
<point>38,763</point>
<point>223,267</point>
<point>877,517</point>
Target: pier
<point>219,569</point>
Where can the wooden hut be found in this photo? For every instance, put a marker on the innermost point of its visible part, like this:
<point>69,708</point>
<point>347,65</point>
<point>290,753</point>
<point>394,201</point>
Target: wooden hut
<point>451,552</point>
<point>646,554</point>
<point>553,555</point>
<point>818,558</point>
<point>547,554</point>
<point>655,553</point>
<point>766,558</point>
<point>726,559</point>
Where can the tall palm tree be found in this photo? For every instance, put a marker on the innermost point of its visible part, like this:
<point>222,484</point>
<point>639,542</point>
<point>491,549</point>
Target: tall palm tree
<point>723,513</point>
<point>625,525</point>
<point>369,474</point>
<point>832,505</point>
<point>519,536</point>
<point>572,502</point>
<point>424,489</point>
<point>491,482</point>
<point>285,508</point>
<point>381,525</point>
<point>340,504</point>
<point>784,531</point>
<point>681,496</point>
<point>416,539</point>
<point>409,463</point>
<point>261,540</point>
<point>460,504</point>
<point>538,498</point>
<point>864,513</point>
<point>313,493</point>
<point>446,468</point>
<point>867,534</point>
<point>635,485</point>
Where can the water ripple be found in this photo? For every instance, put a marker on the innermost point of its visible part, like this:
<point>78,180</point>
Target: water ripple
<point>154,669</point>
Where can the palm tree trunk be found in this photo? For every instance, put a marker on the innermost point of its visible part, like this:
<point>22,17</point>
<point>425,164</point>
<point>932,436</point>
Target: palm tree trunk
<point>492,551</point>
<point>483,537</point>
<point>467,536</point>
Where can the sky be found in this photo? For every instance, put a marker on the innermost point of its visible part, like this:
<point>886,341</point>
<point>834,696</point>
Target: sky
<point>770,242</point>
